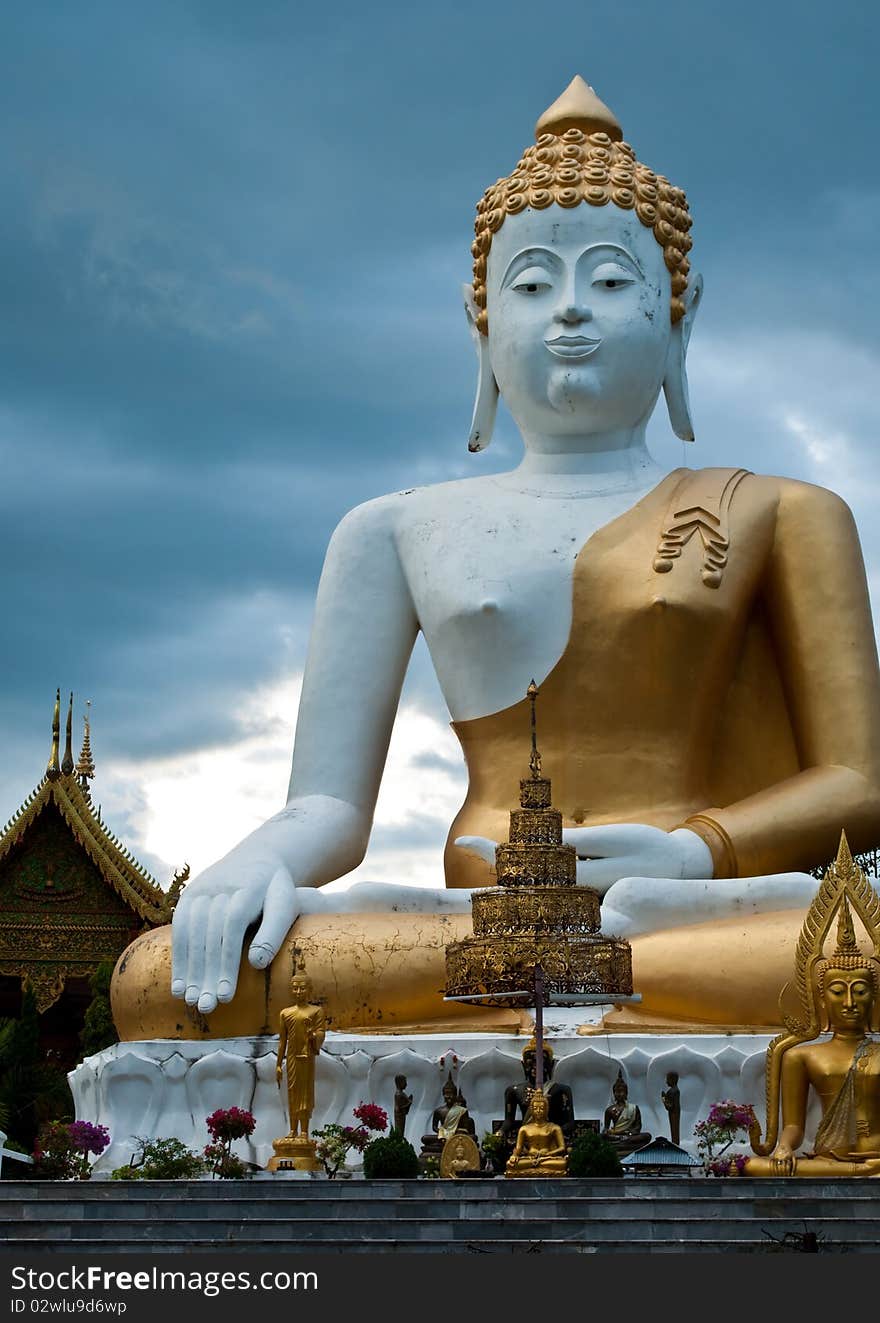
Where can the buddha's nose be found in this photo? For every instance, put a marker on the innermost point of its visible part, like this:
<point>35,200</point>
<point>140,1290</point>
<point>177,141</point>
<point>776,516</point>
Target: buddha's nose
<point>572,313</point>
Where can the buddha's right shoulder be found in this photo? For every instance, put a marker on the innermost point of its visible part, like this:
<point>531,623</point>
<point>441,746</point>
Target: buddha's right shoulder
<point>399,510</point>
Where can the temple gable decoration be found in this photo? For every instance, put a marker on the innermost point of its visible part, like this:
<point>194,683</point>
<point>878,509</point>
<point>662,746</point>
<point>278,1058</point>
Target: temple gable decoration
<point>71,894</point>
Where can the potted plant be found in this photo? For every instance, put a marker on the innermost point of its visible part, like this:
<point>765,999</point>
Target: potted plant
<point>727,1121</point>
<point>225,1125</point>
<point>334,1142</point>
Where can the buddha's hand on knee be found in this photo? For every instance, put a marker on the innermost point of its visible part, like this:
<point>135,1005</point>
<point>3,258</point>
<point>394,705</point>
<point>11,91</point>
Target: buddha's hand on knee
<point>213,914</point>
<point>783,1160</point>
<point>631,849</point>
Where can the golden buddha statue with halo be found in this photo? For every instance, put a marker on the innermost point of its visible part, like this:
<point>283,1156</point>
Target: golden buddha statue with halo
<point>841,993</point>
<point>702,639</point>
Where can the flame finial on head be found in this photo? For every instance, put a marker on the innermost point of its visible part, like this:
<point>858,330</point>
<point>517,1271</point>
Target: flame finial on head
<point>579,108</point>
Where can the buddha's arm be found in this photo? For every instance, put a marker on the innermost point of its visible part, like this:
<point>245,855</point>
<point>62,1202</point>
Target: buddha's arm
<point>282,1047</point>
<point>817,602</point>
<point>558,1141</point>
<point>319,1031</point>
<point>363,633</point>
<point>794,1087</point>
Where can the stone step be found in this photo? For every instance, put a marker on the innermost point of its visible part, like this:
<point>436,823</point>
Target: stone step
<point>499,1190</point>
<point>581,1210</point>
<point>345,1246</point>
<point>303,1228</point>
<point>418,1216</point>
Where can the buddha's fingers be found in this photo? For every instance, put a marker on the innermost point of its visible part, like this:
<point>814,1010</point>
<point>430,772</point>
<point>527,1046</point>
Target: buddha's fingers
<point>279,912</point>
<point>180,945</point>
<point>195,960</point>
<point>601,874</point>
<point>213,942</point>
<point>239,913</point>
<point>620,838</point>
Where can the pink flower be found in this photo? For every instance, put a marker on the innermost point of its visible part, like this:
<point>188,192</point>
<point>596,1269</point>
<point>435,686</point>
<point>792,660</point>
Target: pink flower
<point>371,1115</point>
<point>230,1123</point>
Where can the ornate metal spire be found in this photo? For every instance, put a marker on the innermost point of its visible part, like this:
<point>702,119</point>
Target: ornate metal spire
<point>535,759</point>
<point>53,771</point>
<point>85,767</point>
<point>67,760</point>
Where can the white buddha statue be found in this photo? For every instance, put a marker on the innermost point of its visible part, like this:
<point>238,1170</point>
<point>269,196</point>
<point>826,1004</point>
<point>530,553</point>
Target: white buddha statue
<point>702,640</point>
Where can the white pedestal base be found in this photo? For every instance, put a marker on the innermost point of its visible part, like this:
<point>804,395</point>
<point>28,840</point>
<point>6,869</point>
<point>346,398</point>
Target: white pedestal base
<point>166,1087</point>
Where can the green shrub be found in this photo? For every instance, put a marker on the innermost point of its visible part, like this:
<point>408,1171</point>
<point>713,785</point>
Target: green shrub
<point>160,1160</point>
<point>98,1029</point>
<point>390,1157</point>
<point>593,1155</point>
<point>496,1150</point>
<point>31,1091</point>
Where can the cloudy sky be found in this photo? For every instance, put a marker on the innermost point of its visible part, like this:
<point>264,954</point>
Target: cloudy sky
<point>232,240</point>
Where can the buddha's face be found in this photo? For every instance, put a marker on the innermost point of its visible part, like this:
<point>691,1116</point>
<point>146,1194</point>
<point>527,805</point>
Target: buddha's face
<point>539,1107</point>
<point>849,998</point>
<point>450,1093</point>
<point>619,1090</point>
<point>579,324</point>
<point>300,990</point>
<point>530,1066</point>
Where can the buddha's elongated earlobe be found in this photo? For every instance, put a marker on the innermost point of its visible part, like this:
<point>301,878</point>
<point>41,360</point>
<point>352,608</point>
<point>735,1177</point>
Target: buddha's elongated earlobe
<point>675,382</point>
<point>486,403</point>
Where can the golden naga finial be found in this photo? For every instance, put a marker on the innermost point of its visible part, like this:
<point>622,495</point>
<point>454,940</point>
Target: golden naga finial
<point>535,758</point>
<point>67,760</point>
<point>53,771</point>
<point>85,767</point>
<point>172,895</point>
<point>579,108</point>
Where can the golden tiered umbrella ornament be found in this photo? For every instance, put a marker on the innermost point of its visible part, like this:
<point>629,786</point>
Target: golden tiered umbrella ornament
<point>537,934</point>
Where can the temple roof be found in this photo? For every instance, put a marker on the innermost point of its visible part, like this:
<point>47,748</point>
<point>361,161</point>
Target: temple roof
<point>660,1152</point>
<point>67,788</point>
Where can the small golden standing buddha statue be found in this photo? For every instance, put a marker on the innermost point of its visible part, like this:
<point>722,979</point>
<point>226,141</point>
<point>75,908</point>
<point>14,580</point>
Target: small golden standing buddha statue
<point>301,1032</point>
<point>540,1144</point>
<point>837,993</point>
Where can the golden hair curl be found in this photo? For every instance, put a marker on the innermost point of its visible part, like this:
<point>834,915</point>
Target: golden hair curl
<point>574,166</point>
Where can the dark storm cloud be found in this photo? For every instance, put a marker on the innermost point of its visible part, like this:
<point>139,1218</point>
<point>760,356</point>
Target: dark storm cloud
<point>231,244</point>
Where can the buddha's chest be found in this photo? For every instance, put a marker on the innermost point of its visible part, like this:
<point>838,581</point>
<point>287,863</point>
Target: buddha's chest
<point>831,1069</point>
<point>500,585</point>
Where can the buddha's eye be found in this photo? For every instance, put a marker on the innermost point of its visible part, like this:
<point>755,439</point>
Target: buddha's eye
<point>611,276</point>
<point>532,281</point>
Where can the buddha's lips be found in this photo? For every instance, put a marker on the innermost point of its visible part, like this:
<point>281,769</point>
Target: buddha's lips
<point>572,346</point>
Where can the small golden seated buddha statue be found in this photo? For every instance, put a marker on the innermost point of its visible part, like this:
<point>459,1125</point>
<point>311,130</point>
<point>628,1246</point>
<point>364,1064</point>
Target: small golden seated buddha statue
<point>540,1144</point>
<point>838,993</point>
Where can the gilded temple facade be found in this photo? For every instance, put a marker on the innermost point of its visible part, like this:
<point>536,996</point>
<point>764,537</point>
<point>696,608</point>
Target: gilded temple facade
<point>71,894</point>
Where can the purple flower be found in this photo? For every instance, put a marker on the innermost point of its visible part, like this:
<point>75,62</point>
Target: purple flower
<point>88,1138</point>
